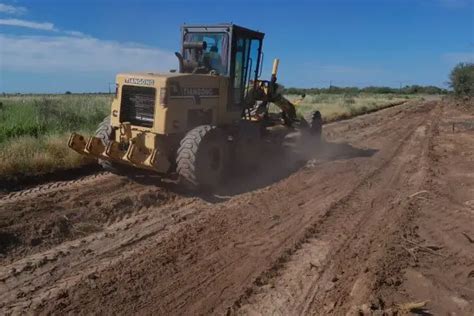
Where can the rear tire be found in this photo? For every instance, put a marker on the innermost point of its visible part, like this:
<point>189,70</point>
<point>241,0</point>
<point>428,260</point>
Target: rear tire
<point>203,158</point>
<point>106,133</point>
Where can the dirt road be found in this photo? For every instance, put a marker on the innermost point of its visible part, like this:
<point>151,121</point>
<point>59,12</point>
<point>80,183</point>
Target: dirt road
<point>381,215</point>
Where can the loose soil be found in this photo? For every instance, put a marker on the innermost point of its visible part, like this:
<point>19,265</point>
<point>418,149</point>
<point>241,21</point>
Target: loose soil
<point>380,215</point>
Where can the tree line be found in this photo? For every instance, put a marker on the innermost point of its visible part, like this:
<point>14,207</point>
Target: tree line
<point>412,89</point>
<point>461,82</point>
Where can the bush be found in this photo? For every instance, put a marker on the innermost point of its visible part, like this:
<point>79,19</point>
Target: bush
<point>462,79</point>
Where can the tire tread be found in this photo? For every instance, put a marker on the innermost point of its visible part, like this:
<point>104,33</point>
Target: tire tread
<point>187,154</point>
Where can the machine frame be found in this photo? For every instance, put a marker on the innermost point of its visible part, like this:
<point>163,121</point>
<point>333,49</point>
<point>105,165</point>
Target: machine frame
<point>151,126</point>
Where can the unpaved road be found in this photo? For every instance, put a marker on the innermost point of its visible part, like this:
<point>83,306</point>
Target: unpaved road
<point>382,214</point>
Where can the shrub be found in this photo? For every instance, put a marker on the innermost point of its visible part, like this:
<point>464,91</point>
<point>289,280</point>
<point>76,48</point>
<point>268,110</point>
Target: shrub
<point>462,79</point>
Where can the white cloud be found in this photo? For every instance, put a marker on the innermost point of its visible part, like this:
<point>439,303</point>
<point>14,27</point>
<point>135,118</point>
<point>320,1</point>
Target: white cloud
<point>45,26</point>
<point>458,57</point>
<point>42,26</point>
<point>9,9</point>
<point>46,54</point>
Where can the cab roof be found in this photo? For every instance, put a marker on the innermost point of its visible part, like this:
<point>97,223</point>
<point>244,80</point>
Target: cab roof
<point>222,27</point>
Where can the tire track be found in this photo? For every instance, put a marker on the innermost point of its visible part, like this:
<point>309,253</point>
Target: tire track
<point>206,265</point>
<point>320,239</point>
<point>369,257</point>
<point>34,220</point>
<point>183,255</point>
<point>29,282</point>
<point>47,188</point>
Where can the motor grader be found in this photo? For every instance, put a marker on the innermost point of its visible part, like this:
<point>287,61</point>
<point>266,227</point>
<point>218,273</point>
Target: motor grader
<point>196,121</point>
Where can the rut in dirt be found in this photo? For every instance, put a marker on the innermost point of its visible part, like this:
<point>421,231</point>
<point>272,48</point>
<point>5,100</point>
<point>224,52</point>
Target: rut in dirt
<point>327,237</point>
<point>29,182</point>
<point>334,266</point>
<point>37,219</point>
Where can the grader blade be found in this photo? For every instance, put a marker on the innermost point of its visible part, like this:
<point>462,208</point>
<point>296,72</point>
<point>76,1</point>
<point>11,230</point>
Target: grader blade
<point>158,161</point>
<point>136,155</point>
<point>92,147</point>
<point>115,151</point>
<point>95,146</point>
<point>78,143</point>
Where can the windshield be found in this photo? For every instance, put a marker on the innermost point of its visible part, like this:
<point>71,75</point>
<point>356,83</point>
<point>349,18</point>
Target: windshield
<point>216,50</point>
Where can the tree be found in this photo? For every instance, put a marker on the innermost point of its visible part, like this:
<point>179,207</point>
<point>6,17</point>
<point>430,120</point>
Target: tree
<point>462,79</point>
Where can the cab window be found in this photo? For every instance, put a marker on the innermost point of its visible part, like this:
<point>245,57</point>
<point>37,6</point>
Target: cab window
<point>245,67</point>
<point>216,51</point>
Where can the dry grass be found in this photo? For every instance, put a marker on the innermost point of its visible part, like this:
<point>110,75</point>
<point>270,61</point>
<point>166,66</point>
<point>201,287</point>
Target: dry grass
<point>36,155</point>
<point>336,106</point>
<point>34,131</point>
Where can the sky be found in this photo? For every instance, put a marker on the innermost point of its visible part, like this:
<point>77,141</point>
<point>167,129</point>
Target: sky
<point>53,46</point>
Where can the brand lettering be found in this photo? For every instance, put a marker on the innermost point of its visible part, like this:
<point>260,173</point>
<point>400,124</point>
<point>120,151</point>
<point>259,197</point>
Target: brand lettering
<point>198,91</point>
<point>177,91</point>
<point>140,81</point>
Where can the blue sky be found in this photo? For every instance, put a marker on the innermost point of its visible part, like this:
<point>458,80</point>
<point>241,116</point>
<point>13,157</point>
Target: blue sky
<point>57,45</point>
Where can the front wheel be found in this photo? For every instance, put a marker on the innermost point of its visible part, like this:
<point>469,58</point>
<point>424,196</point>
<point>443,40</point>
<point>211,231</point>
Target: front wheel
<point>203,158</point>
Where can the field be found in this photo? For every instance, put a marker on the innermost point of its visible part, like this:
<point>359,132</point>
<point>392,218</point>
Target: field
<point>34,129</point>
<point>334,107</point>
<point>376,220</point>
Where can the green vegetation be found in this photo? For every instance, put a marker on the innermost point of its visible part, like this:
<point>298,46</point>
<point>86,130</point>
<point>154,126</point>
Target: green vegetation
<point>462,79</point>
<point>411,90</point>
<point>34,130</point>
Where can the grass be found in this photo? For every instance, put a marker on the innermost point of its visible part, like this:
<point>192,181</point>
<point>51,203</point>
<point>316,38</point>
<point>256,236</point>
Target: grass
<point>34,129</point>
<point>42,115</point>
<point>33,155</point>
<point>339,106</point>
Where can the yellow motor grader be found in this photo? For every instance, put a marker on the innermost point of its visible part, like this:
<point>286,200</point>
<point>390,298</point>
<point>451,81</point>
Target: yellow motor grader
<point>194,122</point>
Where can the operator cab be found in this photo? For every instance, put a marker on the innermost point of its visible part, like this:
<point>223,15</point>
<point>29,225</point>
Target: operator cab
<point>225,50</point>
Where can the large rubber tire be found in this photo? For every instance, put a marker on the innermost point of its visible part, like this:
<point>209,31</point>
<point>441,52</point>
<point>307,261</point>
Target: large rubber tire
<point>106,133</point>
<point>203,158</point>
